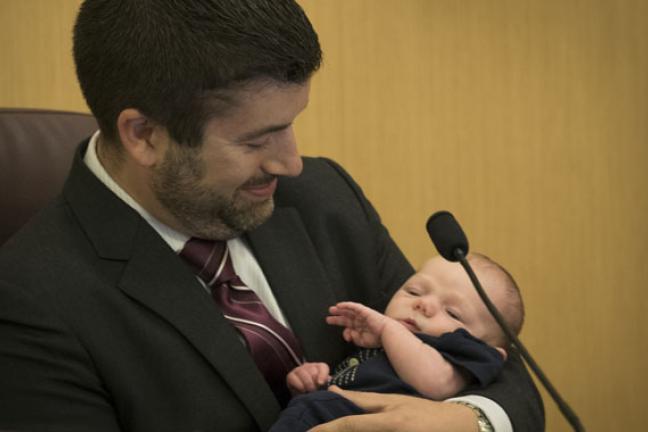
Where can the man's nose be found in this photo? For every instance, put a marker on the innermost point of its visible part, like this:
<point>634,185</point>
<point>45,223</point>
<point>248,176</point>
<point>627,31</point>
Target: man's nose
<point>285,159</point>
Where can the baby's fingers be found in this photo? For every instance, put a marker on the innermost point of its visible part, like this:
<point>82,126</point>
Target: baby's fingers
<point>339,320</point>
<point>350,335</point>
<point>342,311</point>
<point>351,308</point>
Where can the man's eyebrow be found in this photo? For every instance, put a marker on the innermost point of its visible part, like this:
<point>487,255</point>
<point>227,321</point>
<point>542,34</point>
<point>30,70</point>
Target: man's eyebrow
<point>266,130</point>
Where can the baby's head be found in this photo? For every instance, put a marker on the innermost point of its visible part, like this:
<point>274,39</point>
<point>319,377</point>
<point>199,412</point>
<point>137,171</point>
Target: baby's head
<point>440,298</point>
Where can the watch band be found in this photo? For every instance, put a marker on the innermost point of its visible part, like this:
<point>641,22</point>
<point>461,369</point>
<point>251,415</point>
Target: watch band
<point>483,423</point>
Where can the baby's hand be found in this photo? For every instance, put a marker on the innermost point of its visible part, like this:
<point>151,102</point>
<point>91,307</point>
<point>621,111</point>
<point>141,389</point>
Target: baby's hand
<point>363,325</point>
<point>307,377</point>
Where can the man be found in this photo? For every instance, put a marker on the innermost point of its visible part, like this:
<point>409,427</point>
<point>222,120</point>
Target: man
<point>103,325</point>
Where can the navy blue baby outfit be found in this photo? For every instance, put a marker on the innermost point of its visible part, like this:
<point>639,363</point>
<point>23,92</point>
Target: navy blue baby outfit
<point>369,370</point>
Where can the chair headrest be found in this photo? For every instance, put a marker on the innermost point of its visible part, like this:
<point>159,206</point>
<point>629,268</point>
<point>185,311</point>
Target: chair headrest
<point>36,150</point>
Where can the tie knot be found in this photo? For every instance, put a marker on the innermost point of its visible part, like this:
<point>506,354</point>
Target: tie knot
<point>209,260</point>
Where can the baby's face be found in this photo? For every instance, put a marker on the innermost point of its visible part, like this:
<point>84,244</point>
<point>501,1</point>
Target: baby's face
<point>440,298</point>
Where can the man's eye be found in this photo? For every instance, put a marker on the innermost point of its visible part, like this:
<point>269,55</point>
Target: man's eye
<point>255,146</point>
<point>258,144</point>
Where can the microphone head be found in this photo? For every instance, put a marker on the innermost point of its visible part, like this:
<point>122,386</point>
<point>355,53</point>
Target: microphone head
<point>447,235</point>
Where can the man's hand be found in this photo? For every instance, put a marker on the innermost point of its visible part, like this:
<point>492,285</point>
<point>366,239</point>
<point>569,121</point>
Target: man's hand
<point>307,377</point>
<point>362,325</point>
<point>398,413</point>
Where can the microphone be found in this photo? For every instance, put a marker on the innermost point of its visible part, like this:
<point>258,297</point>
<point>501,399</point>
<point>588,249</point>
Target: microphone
<point>452,244</point>
<point>447,235</point>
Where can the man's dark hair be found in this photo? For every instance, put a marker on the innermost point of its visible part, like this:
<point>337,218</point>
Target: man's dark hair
<point>179,62</point>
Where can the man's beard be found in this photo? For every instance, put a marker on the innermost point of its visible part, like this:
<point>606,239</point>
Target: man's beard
<point>202,211</point>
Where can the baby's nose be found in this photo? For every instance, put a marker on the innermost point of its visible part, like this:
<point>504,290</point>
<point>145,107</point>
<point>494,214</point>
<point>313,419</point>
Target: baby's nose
<point>428,307</point>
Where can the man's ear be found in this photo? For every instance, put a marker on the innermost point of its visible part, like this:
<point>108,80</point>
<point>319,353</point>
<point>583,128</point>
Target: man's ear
<point>502,351</point>
<point>138,137</point>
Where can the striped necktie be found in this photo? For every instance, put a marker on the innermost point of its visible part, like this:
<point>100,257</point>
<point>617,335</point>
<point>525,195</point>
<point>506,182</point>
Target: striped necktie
<point>273,347</point>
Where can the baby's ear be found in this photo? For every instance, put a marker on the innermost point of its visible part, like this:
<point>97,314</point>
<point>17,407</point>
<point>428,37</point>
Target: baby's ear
<point>502,351</point>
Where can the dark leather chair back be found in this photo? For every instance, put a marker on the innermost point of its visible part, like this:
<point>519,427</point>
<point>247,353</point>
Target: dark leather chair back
<point>36,150</point>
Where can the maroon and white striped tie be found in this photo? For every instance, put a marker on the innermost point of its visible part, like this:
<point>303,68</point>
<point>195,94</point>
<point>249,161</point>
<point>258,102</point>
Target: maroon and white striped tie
<point>274,347</point>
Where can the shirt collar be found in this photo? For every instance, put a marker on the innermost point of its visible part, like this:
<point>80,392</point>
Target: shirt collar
<point>173,238</point>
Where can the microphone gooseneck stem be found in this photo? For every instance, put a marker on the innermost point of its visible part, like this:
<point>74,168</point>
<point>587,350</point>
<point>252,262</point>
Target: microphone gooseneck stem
<point>562,405</point>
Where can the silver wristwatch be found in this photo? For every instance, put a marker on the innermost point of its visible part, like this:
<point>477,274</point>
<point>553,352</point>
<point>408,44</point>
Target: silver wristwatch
<point>482,421</point>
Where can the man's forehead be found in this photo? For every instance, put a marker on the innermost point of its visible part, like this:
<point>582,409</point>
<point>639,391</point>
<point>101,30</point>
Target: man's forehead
<point>258,107</point>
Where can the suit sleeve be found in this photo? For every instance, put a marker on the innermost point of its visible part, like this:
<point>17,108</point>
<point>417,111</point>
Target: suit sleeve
<point>516,394</point>
<point>43,366</point>
<point>390,266</point>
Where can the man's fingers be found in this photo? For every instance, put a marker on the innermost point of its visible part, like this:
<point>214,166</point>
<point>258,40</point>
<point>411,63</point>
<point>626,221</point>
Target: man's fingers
<point>394,412</point>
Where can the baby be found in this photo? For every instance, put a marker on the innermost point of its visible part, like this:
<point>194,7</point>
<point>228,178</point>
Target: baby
<point>435,338</point>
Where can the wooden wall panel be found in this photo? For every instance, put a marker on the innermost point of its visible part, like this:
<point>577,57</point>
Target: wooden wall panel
<point>526,118</point>
<point>37,68</point>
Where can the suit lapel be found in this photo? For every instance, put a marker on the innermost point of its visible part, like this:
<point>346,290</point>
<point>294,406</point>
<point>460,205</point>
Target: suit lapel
<point>155,277</point>
<point>173,292</point>
<point>298,280</point>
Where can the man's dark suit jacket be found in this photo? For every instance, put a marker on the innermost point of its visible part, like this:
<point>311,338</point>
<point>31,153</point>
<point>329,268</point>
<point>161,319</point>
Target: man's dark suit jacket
<point>103,328</point>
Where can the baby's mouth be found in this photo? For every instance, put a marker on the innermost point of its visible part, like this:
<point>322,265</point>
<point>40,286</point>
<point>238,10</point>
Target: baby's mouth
<point>411,324</point>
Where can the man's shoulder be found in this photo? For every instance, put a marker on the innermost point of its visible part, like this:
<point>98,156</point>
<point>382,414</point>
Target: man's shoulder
<point>321,178</point>
<point>318,169</point>
<point>46,236</point>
